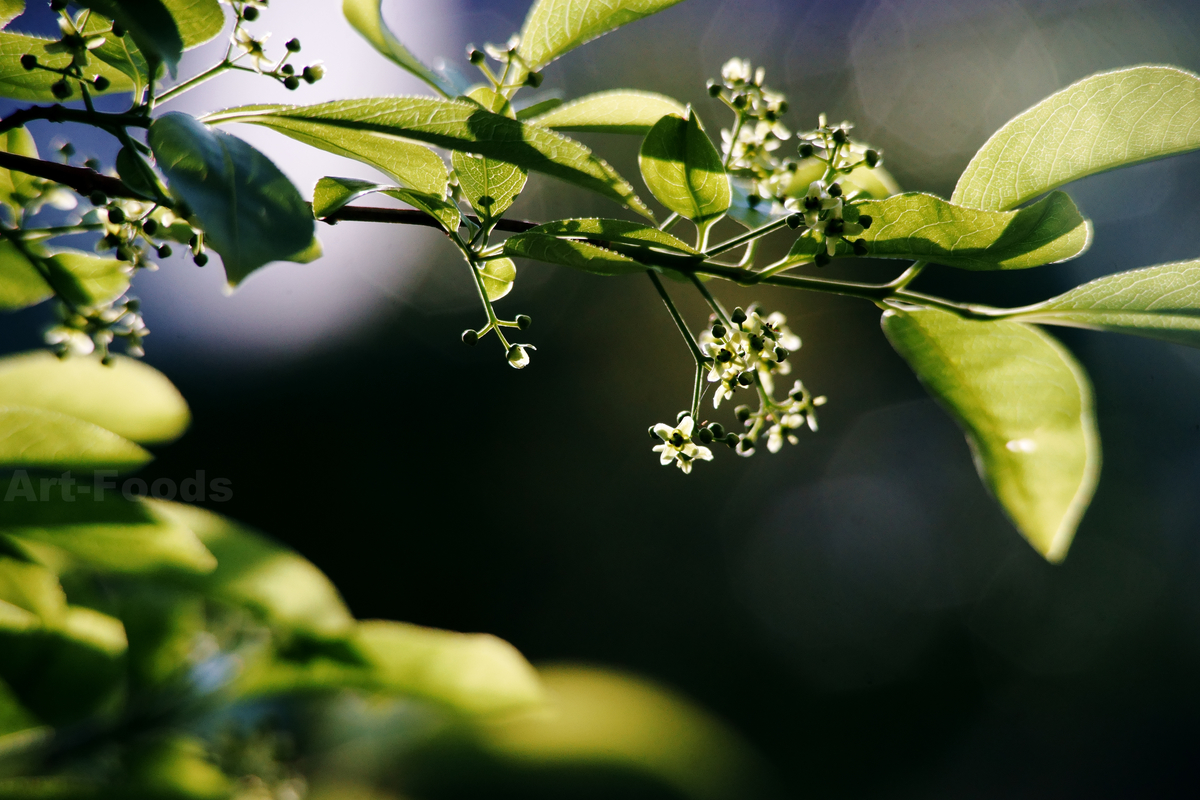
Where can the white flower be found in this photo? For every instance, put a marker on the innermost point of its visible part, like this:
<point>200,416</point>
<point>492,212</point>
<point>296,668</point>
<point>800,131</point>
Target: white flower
<point>784,429</point>
<point>678,446</point>
<point>736,70</point>
<point>518,357</point>
<point>252,47</point>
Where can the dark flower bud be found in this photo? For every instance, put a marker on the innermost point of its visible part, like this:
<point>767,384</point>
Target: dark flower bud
<point>124,253</point>
<point>872,157</point>
<point>98,198</point>
<point>67,149</point>
<point>733,440</point>
<point>724,356</point>
<point>753,200</point>
<point>718,331</point>
<point>92,164</point>
<point>840,136</point>
<point>133,304</point>
<point>682,415</point>
<point>795,221</point>
<point>835,190</point>
<point>524,321</point>
<point>746,379</point>
<point>293,45</point>
<point>164,251</point>
<point>823,259</point>
<point>291,82</point>
<point>249,13</point>
<point>783,106</point>
<point>791,166</point>
<point>714,89</point>
<point>112,240</point>
<point>287,69</point>
<point>738,316</point>
<point>470,337</point>
<point>781,354</point>
<point>860,247</point>
<point>865,220</point>
<point>739,101</point>
<point>476,57</point>
<point>200,259</point>
<point>28,61</point>
<point>706,436</point>
<point>60,89</point>
<point>149,226</point>
<point>742,413</point>
<point>194,241</point>
<point>756,342</point>
<point>806,150</point>
<point>107,360</point>
<point>653,435</point>
<point>718,430</point>
<point>117,30</point>
<point>101,83</point>
<point>834,227</point>
<point>116,216</point>
<point>533,79</point>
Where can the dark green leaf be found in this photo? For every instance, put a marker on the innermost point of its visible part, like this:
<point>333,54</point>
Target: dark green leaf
<point>570,253</point>
<point>1109,120</point>
<point>17,187</point>
<point>1026,408</point>
<point>251,212</point>
<point>148,23</point>
<point>33,437</point>
<point>617,111</point>
<point>133,174</point>
<point>366,17</point>
<point>555,26</point>
<point>453,124</point>
<point>541,107</point>
<point>644,244</point>
<point>683,169</point>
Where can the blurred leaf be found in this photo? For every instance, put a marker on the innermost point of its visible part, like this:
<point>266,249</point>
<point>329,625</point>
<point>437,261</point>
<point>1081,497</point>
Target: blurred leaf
<point>198,22</point>
<point>875,183</point>
<point>453,124</point>
<point>175,768</point>
<point>33,589</point>
<point>162,624</point>
<point>921,226</point>
<point>332,194</point>
<point>34,437</point>
<point>21,284</point>
<point>1108,120</point>
<point>553,27</point>
<point>539,108</point>
<point>1026,408</point>
<point>568,253</point>
<point>752,214</point>
<point>15,187</point>
<point>615,230</point>
<point>616,111</point>
<point>98,531</point>
<point>13,716</point>
<point>269,579</point>
<point>148,23</point>
<point>251,212</point>
<point>498,277</point>
<point>1160,302</point>
<point>19,83</point>
<point>127,397</point>
<point>683,169</point>
<point>10,10</point>
<point>88,280</point>
<point>366,17</point>
<point>606,718</point>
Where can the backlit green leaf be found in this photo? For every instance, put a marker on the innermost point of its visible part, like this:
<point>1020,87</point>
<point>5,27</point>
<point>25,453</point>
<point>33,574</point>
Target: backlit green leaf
<point>1160,302</point>
<point>1026,408</point>
<point>617,111</point>
<point>332,194</point>
<point>555,26</point>
<point>17,187</point>
<point>453,124</point>
<point>21,284</point>
<point>490,186</point>
<point>87,280</point>
<point>127,397</point>
<point>921,226</point>
<point>10,10</point>
<point>199,21</point>
<point>683,170</point>
<point>498,277</point>
<point>251,212</point>
<point>34,437</point>
<point>19,83</point>
<point>617,231</point>
<point>1109,120</point>
<point>148,23</point>
<point>366,17</point>
<point>579,255</point>
<point>872,182</point>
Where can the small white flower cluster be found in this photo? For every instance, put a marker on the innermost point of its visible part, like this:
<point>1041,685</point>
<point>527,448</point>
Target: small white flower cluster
<point>829,219</point>
<point>833,145</point>
<point>755,348</point>
<point>677,445</point>
<point>84,332</point>
<point>798,413</point>
<point>750,147</point>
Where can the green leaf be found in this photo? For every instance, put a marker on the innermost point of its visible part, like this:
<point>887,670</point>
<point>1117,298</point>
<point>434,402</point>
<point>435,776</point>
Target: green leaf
<point>17,187</point>
<point>1160,302</point>
<point>34,437</point>
<point>498,276</point>
<point>148,23</point>
<point>267,578</point>
<point>921,226</point>
<point>539,108</point>
<point>133,174</point>
<point>1026,408</point>
<point>453,124</point>
<point>617,111</point>
<point>490,186</point>
<point>579,255</point>
<point>21,284</point>
<point>615,231</point>
<point>1109,120</point>
<point>88,280</point>
<point>10,10</point>
<point>13,716</point>
<point>19,83</point>
<point>251,212</point>
<point>683,169</point>
<point>127,397</point>
<point>366,17</point>
<point>332,194</point>
<point>873,182</point>
<point>555,26</point>
<point>97,529</point>
<point>198,21</point>
<point>172,767</point>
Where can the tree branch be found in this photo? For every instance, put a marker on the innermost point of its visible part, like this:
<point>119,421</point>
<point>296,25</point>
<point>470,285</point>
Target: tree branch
<point>57,113</point>
<point>81,179</point>
<point>404,216</point>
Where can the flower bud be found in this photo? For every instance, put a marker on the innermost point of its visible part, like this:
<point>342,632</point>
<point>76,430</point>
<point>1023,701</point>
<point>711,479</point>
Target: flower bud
<point>706,436</point>
<point>806,150</point>
<point>524,321</point>
<point>291,82</point>
<point>28,61</point>
<point>60,89</point>
<point>107,360</point>
<point>249,13</point>
<point>653,434</point>
<point>745,447</point>
<point>200,259</point>
<point>682,415</point>
<point>753,200</point>
<point>872,157</point>
<point>739,101</point>
<point>470,337</point>
<point>101,83</point>
<point>293,45</point>
<point>718,430</point>
<point>533,79</point>
<point>67,149</point>
<point>313,73</point>
<point>133,304</point>
<point>860,247</point>
<point>865,220</point>
<point>476,57</point>
<point>839,136</point>
<point>738,316</point>
<point>742,413</point>
<point>823,259</point>
<point>718,331</point>
<point>115,215</point>
<point>164,251</point>
<point>746,378</point>
<point>98,198</point>
<point>714,89</point>
<point>149,226</point>
<point>732,440</point>
<point>287,69</point>
<point>518,358</point>
<point>781,354</point>
<point>795,221</point>
<point>835,190</point>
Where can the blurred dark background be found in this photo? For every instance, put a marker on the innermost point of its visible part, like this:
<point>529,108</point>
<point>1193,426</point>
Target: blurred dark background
<point>856,606</point>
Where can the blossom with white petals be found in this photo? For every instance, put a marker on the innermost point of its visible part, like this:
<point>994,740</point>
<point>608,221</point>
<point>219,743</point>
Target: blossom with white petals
<point>678,446</point>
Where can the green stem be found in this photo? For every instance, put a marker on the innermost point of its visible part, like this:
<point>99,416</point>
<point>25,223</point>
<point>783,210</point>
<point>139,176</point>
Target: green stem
<point>748,236</point>
<point>697,391</point>
<point>909,275</point>
<point>701,359</point>
<point>713,303</point>
<point>193,82</point>
<point>668,222</point>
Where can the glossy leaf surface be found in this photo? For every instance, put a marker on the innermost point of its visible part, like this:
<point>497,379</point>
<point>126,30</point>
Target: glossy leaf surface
<point>683,170</point>
<point>618,111</point>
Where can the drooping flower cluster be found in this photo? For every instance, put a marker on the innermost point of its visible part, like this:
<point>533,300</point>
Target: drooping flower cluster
<point>754,349</point>
<point>758,132</point>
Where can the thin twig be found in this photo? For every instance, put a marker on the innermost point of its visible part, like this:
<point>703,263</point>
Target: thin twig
<point>81,179</point>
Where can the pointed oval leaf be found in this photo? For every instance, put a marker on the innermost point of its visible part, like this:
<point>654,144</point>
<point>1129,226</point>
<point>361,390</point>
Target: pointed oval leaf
<point>1160,302</point>
<point>127,397</point>
<point>332,194</point>
<point>553,27</point>
<point>490,186</point>
<point>617,111</point>
<point>251,213</point>
<point>453,124</point>
<point>1026,408</point>
<point>683,170</point>
<point>148,23</point>
<point>19,83</point>
<point>569,253</point>
<point>366,17</point>
<point>921,226</point>
<point>35,437</point>
<point>1109,120</point>
<point>498,277</point>
<point>198,21</point>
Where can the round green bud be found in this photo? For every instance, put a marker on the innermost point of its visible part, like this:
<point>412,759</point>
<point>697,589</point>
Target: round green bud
<point>653,435</point>
<point>67,149</point>
<point>111,239</point>
<point>835,190</point>
<point>312,73</point>
<point>732,440</point>
<point>58,5</point>
<point>293,45</point>
<point>718,331</point>
<point>739,101</point>
<point>287,69</point>
<point>92,164</point>
<point>60,89</point>
<point>742,413</point>
<point>718,430</point>
<point>115,215</point>
<point>834,227</point>
<point>783,106</point>
<point>470,337</point>
<point>791,166</point>
<point>117,30</point>
<point>291,82</point>
<point>682,415</point>
<point>133,304</point>
<point>164,251</point>
<point>781,354</point>
<point>753,200</point>
<point>533,79</point>
<point>865,220</point>
<point>200,259</point>
<point>476,57</point>
<point>714,89</point>
<point>149,226</point>
<point>98,198</point>
<point>746,378</point>
<point>124,253</point>
<point>806,150</point>
<point>744,446</point>
<point>101,83</point>
<point>840,136</point>
<point>860,247</point>
<point>28,61</point>
<point>872,157</point>
<point>249,13</point>
<point>107,360</point>
<point>524,321</point>
<point>822,259</point>
<point>795,221</point>
<point>738,316</point>
<point>706,435</point>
